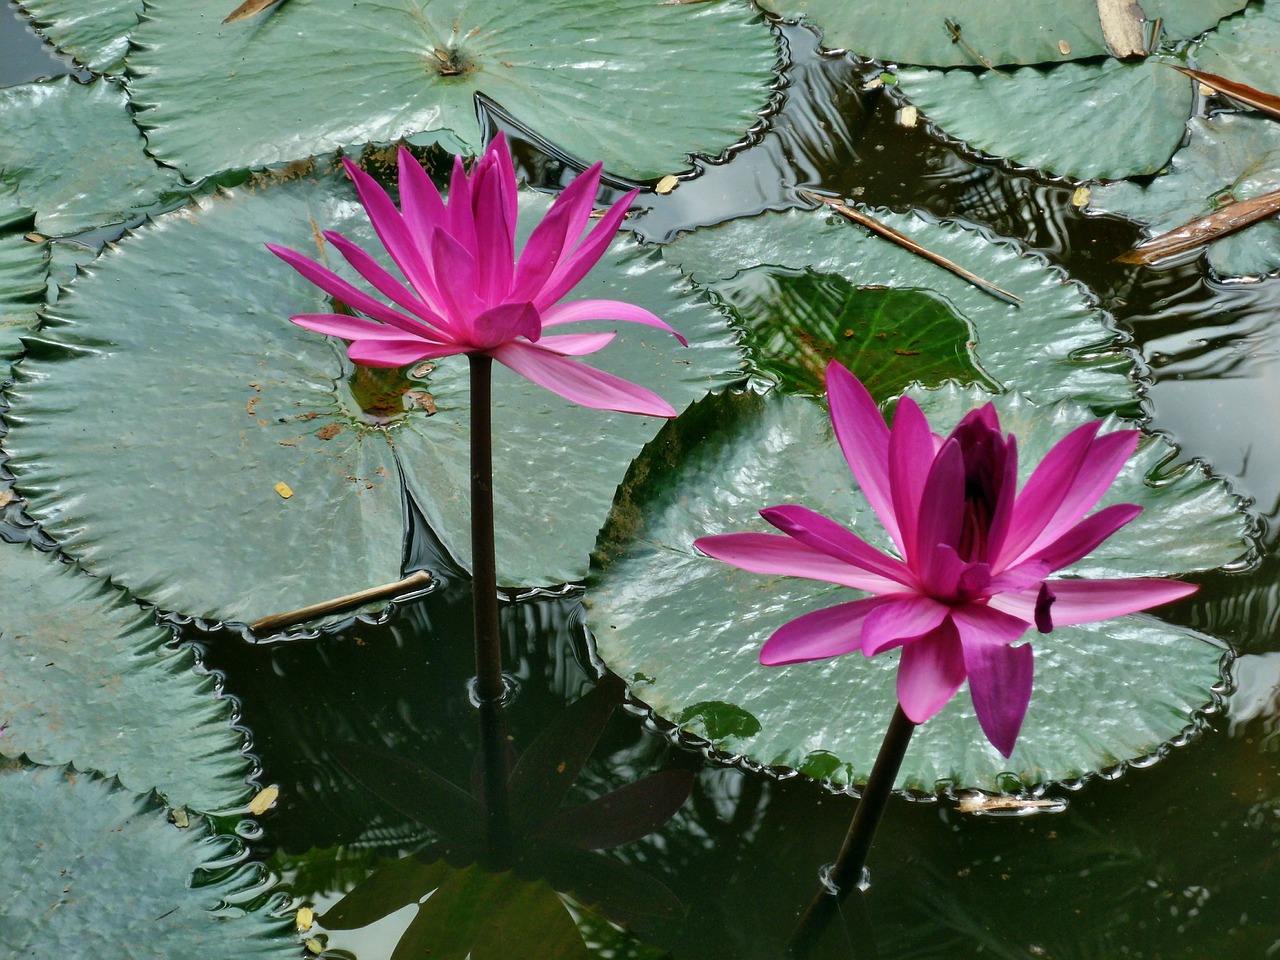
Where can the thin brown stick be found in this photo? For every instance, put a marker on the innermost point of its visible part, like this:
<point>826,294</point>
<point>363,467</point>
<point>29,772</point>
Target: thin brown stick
<point>1228,219</point>
<point>278,621</point>
<point>1260,100</point>
<point>250,8</point>
<point>886,231</point>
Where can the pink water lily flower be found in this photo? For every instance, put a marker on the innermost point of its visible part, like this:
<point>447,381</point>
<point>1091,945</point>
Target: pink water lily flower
<point>467,291</point>
<point>974,554</point>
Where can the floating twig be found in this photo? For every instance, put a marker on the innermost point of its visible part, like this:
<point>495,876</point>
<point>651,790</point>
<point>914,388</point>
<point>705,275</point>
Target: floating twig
<point>886,231</point>
<point>250,8</point>
<point>279,621</point>
<point>1228,219</point>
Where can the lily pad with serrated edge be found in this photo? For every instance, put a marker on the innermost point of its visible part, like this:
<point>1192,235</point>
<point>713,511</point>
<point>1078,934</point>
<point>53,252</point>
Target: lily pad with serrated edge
<point>634,83</point>
<point>1245,49</point>
<point>990,32</point>
<point>1055,345</point>
<point>24,271</point>
<point>196,397</point>
<point>93,870</point>
<point>1103,120</point>
<point>1229,157</point>
<point>1104,693</point>
<point>94,32</point>
<point>88,678</point>
<point>76,159</point>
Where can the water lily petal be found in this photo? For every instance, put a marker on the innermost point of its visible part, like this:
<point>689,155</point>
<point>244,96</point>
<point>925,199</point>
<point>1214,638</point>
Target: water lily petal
<point>1000,675</point>
<point>460,218</point>
<point>772,553</point>
<point>397,353</point>
<point>383,281</point>
<point>577,310</point>
<point>500,324</point>
<point>493,190</point>
<point>461,300</point>
<point>864,440</point>
<point>1086,601</point>
<point>575,344</point>
<point>911,460</point>
<point>819,635</point>
<point>574,267</point>
<point>1085,536</point>
<point>822,533</point>
<point>357,328</point>
<point>578,382</point>
<point>902,622</point>
<point>555,234</point>
<point>421,206</point>
<point>940,518</point>
<point>930,673</point>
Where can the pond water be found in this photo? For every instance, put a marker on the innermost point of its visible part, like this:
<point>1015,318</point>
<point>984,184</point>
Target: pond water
<point>1178,859</point>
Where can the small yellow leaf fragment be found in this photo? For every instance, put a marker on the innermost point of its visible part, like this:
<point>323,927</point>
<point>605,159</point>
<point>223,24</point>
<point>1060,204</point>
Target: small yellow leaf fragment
<point>875,83</point>
<point>1206,90</point>
<point>284,490</point>
<point>314,947</point>
<point>1080,198</point>
<point>6,497</point>
<point>1064,48</point>
<point>666,184</point>
<point>180,818</point>
<point>908,116</point>
<point>264,800</point>
<point>306,916</point>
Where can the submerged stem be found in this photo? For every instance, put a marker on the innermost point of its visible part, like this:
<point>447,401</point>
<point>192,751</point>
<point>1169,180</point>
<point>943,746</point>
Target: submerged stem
<point>846,873</point>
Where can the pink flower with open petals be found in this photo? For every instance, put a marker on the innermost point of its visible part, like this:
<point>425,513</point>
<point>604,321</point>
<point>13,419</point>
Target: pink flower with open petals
<point>973,554</point>
<point>467,291</point>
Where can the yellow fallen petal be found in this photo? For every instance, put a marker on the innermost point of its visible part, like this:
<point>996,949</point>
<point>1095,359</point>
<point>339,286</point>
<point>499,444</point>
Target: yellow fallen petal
<point>306,916</point>
<point>1081,197</point>
<point>284,490</point>
<point>666,184</point>
<point>261,803</point>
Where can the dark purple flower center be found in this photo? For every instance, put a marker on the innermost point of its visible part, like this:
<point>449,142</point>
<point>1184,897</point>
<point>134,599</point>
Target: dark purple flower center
<point>985,454</point>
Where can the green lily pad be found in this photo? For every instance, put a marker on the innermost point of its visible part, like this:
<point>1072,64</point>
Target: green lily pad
<point>93,870</point>
<point>24,269</point>
<point>197,397</point>
<point>1055,345</point>
<point>94,32</point>
<point>634,83</point>
<point>75,157</point>
<point>1103,120</point>
<point>1105,693</point>
<point>997,31</point>
<point>1230,157</point>
<point>86,677</point>
<point>1244,49</point>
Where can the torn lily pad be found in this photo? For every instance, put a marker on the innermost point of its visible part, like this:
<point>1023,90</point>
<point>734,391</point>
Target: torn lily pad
<point>1054,345</point>
<point>95,870</point>
<point>972,33</point>
<point>86,677</point>
<point>1104,120</point>
<point>94,32</point>
<point>198,399</point>
<point>634,83</point>
<point>690,628</point>
<point>1229,157</point>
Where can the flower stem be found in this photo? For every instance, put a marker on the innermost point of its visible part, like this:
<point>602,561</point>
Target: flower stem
<point>484,586</point>
<point>846,873</point>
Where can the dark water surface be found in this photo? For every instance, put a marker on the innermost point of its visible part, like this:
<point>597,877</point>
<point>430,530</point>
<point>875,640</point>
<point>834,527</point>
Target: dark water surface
<point>1177,860</point>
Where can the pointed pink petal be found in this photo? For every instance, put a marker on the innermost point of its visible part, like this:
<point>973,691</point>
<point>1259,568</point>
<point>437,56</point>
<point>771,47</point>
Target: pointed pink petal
<point>1000,675</point>
<point>907,618</point>
<point>459,293</point>
<point>461,220</point>
<point>864,439</point>
<point>911,460</point>
<point>930,673</point>
<point>384,282</point>
<point>1085,536</point>
<point>504,323</point>
<point>777,555</point>
<point>495,234</point>
<point>586,255</point>
<point>335,286</point>
<point>1065,486</point>
<point>822,533</point>
<point>1087,601</point>
<point>940,511</point>
<point>1006,500</point>
<point>422,207</point>
<point>577,310</point>
<point>356,328</point>
<point>575,344</point>
<point>578,382</point>
<point>397,353</point>
<point>507,171</point>
<point>556,234</point>
<point>819,635</point>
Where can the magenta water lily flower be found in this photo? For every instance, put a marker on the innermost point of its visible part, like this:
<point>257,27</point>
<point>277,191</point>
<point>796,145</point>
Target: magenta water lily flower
<point>974,554</point>
<point>467,292</point>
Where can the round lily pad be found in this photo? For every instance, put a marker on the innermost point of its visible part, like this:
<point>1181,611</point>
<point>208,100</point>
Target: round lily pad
<point>86,677</point>
<point>174,431</point>
<point>93,870</point>
<point>75,157</point>
<point>94,32</point>
<point>24,269</point>
<point>687,630</point>
<point>1244,49</point>
<point>1102,120</point>
<point>949,33</point>
<point>1229,157</point>
<point>634,83</point>
<point>1054,345</point>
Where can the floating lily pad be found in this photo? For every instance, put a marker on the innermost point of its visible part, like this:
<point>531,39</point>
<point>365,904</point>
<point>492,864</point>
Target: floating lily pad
<point>169,397</point>
<point>1230,157</point>
<point>76,158</point>
<point>93,870</point>
<point>1103,120</point>
<point>634,83</point>
<point>94,32</point>
<point>997,31</point>
<point>1055,345</point>
<point>24,269</point>
<point>1104,693</point>
<point>86,677</point>
<point>1244,49</point>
